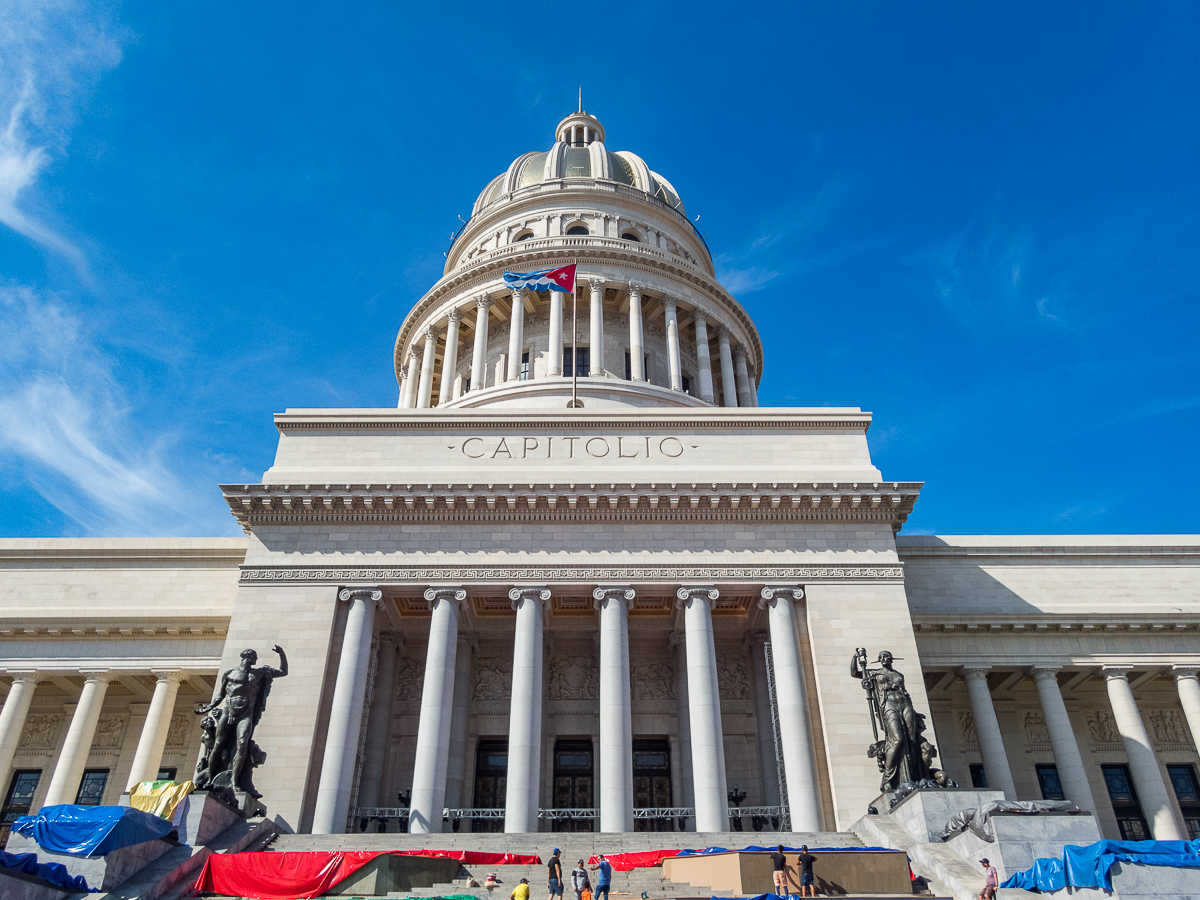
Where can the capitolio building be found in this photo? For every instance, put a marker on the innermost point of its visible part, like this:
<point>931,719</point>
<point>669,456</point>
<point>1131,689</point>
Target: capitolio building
<point>579,580</point>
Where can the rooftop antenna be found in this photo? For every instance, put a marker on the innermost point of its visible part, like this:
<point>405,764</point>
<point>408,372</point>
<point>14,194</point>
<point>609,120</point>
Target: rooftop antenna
<point>580,98</point>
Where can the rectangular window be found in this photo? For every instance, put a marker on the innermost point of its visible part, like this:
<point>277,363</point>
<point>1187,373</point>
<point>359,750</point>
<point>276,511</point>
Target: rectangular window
<point>628,367</point>
<point>167,773</point>
<point>19,798</point>
<point>525,366</point>
<point>91,788</point>
<point>1048,780</point>
<point>1125,803</point>
<point>687,384</point>
<point>569,364</point>
<point>978,777</point>
<point>466,385</point>
<point>1187,792</point>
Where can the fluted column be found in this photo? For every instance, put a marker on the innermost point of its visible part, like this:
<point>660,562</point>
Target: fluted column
<point>743,377</point>
<point>345,713</point>
<point>672,323</point>
<point>555,366</point>
<point>147,759</point>
<point>596,321</point>
<point>437,709</point>
<point>703,358</point>
<point>379,718</point>
<point>449,358</point>
<point>12,718</point>
<point>728,384</point>
<point>1143,764</point>
<point>991,739</point>
<point>516,335</point>
<point>704,706</point>
<point>637,355</point>
<point>479,354</point>
<point>456,762</point>
<point>1185,683</point>
<point>72,759</point>
<point>1067,759</point>
<point>525,711</point>
<point>413,378</point>
<point>753,387</point>
<point>403,389</point>
<point>754,641</point>
<point>616,729</point>
<point>428,358</point>
<point>683,717</point>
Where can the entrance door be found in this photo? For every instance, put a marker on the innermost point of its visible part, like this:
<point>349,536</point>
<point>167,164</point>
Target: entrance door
<point>574,781</point>
<point>491,781</point>
<point>652,782</point>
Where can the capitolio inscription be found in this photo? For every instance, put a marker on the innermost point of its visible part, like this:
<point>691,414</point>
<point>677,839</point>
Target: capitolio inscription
<point>572,447</point>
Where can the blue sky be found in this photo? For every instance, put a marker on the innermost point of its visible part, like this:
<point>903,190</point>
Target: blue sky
<point>978,221</point>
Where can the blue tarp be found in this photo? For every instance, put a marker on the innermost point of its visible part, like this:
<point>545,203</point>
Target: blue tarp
<point>55,873</point>
<point>1089,866</point>
<point>771,849</point>
<point>90,830</point>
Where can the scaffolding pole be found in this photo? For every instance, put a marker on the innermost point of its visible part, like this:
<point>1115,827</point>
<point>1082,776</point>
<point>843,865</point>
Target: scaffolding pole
<point>783,794</point>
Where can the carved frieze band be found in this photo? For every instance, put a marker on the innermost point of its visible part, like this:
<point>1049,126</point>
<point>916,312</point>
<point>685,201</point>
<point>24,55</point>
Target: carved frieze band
<point>592,574</point>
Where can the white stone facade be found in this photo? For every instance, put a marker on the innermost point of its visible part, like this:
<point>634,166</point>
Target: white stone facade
<point>486,574</point>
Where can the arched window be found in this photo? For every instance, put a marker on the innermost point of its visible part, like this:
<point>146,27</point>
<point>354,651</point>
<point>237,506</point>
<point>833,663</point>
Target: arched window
<point>523,236</point>
<point>578,229</point>
<point>631,236</point>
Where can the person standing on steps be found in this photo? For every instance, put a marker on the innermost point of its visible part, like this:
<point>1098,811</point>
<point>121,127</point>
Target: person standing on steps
<point>603,876</point>
<point>521,891</point>
<point>808,885</point>
<point>780,864</point>
<point>993,880</point>
<point>554,878</point>
<point>579,881</point>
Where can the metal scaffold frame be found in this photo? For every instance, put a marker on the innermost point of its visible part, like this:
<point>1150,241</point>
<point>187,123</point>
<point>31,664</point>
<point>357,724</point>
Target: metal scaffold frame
<point>778,740</point>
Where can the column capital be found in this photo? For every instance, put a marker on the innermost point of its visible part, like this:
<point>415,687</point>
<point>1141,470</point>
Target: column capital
<point>447,592</point>
<point>366,592</point>
<point>101,676</point>
<point>414,355</point>
<point>1045,673</point>
<point>169,676</point>
<point>688,593</point>
<point>976,672</point>
<point>1117,672</point>
<point>677,638</point>
<point>791,592</point>
<point>635,290</point>
<point>404,375</point>
<point>470,638</point>
<point>699,316</point>
<point>723,333</point>
<point>1185,671</point>
<point>431,333</point>
<point>669,303</point>
<point>483,302</point>
<point>622,592</point>
<point>24,676</point>
<point>541,593</point>
<point>454,315</point>
<point>739,352</point>
<point>519,293</point>
<point>755,638</point>
<point>596,283</point>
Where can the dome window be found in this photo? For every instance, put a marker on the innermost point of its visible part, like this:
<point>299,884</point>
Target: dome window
<point>523,236</point>
<point>578,230</point>
<point>631,236</point>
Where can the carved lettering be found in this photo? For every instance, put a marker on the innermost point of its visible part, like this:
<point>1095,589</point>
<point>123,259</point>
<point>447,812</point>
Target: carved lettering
<point>676,445</point>
<point>595,447</point>
<point>601,442</point>
<point>621,454</point>
<point>468,453</point>
<point>503,445</point>
<point>529,443</point>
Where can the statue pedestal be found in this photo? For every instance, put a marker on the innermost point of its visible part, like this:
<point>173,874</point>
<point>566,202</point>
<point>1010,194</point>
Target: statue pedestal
<point>924,813</point>
<point>103,872</point>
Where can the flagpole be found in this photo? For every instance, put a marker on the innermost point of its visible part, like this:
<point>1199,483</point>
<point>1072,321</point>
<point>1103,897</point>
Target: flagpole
<point>575,339</point>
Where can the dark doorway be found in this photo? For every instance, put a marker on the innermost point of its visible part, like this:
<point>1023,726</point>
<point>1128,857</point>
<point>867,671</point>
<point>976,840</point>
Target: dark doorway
<point>491,781</point>
<point>574,781</point>
<point>1125,803</point>
<point>652,782</point>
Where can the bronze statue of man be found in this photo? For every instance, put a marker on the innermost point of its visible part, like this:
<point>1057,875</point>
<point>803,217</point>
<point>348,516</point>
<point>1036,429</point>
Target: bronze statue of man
<point>238,702</point>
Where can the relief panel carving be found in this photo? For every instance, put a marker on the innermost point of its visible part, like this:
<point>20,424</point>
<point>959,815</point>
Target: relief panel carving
<point>41,732</point>
<point>110,732</point>
<point>1035,728</point>
<point>966,727</point>
<point>574,679</point>
<point>1102,727</point>
<point>732,677</point>
<point>654,681</point>
<point>493,678</point>
<point>1167,726</point>
<point>177,733</point>
<point>410,674</point>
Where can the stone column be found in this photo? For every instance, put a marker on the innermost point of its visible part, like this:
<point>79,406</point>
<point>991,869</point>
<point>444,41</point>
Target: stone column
<point>616,728</point>
<point>403,389</point>
<point>754,387</point>
<point>991,740</point>
<point>437,708</point>
<point>1067,759</point>
<point>728,385</point>
<point>456,763</point>
<point>428,359</point>
<point>525,711</point>
<point>555,366</point>
<point>345,714</point>
<point>72,760</point>
<point>449,358</point>
<point>754,641</point>
<point>704,706</point>
<point>596,337</point>
<point>743,377</point>
<point>703,359</point>
<point>672,320</point>
<point>516,335</point>
<point>1185,683</point>
<point>637,355</point>
<point>479,354</point>
<point>799,758</point>
<point>12,718</point>
<point>413,378</point>
<point>379,720</point>
<point>148,757</point>
<point>683,717</point>
<point>1143,764</point>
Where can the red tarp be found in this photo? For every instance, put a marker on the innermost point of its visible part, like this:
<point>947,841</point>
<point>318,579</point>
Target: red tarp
<point>623,862</point>
<point>299,876</point>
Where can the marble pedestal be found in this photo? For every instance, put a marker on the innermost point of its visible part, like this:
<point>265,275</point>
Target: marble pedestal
<point>924,814</point>
<point>104,872</point>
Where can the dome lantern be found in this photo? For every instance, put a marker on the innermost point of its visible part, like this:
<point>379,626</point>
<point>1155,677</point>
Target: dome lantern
<point>579,129</point>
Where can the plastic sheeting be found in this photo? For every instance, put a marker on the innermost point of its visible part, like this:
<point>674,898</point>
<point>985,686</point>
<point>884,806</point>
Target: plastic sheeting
<point>298,875</point>
<point>624,862</point>
<point>1089,866</point>
<point>978,818</point>
<point>55,873</point>
<point>159,798</point>
<point>90,830</point>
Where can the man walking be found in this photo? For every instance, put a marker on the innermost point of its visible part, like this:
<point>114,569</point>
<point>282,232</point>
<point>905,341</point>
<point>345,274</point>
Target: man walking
<point>554,879</point>
<point>992,882</point>
<point>603,877</point>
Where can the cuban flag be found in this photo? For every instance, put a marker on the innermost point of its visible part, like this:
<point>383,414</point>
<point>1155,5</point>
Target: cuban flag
<point>560,279</point>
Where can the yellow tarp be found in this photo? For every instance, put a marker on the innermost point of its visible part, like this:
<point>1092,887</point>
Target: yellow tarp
<point>159,797</point>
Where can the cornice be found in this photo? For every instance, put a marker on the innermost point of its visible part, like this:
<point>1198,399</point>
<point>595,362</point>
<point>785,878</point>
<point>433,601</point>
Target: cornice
<point>574,574</point>
<point>1056,625</point>
<point>40,550</point>
<point>14,627</point>
<point>273,505</point>
<point>1048,552</point>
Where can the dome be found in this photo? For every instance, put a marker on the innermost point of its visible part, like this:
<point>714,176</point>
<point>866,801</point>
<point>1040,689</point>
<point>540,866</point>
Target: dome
<point>579,153</point>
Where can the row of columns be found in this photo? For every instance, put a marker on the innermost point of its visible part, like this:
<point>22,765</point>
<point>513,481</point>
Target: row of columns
<point>444,699</point>
<point>738,388</point>
<point>73,758</point>
<point>1143,763</point>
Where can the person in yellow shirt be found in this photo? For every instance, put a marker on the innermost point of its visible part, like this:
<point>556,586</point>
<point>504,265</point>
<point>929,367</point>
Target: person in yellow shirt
<point>521,891</point>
